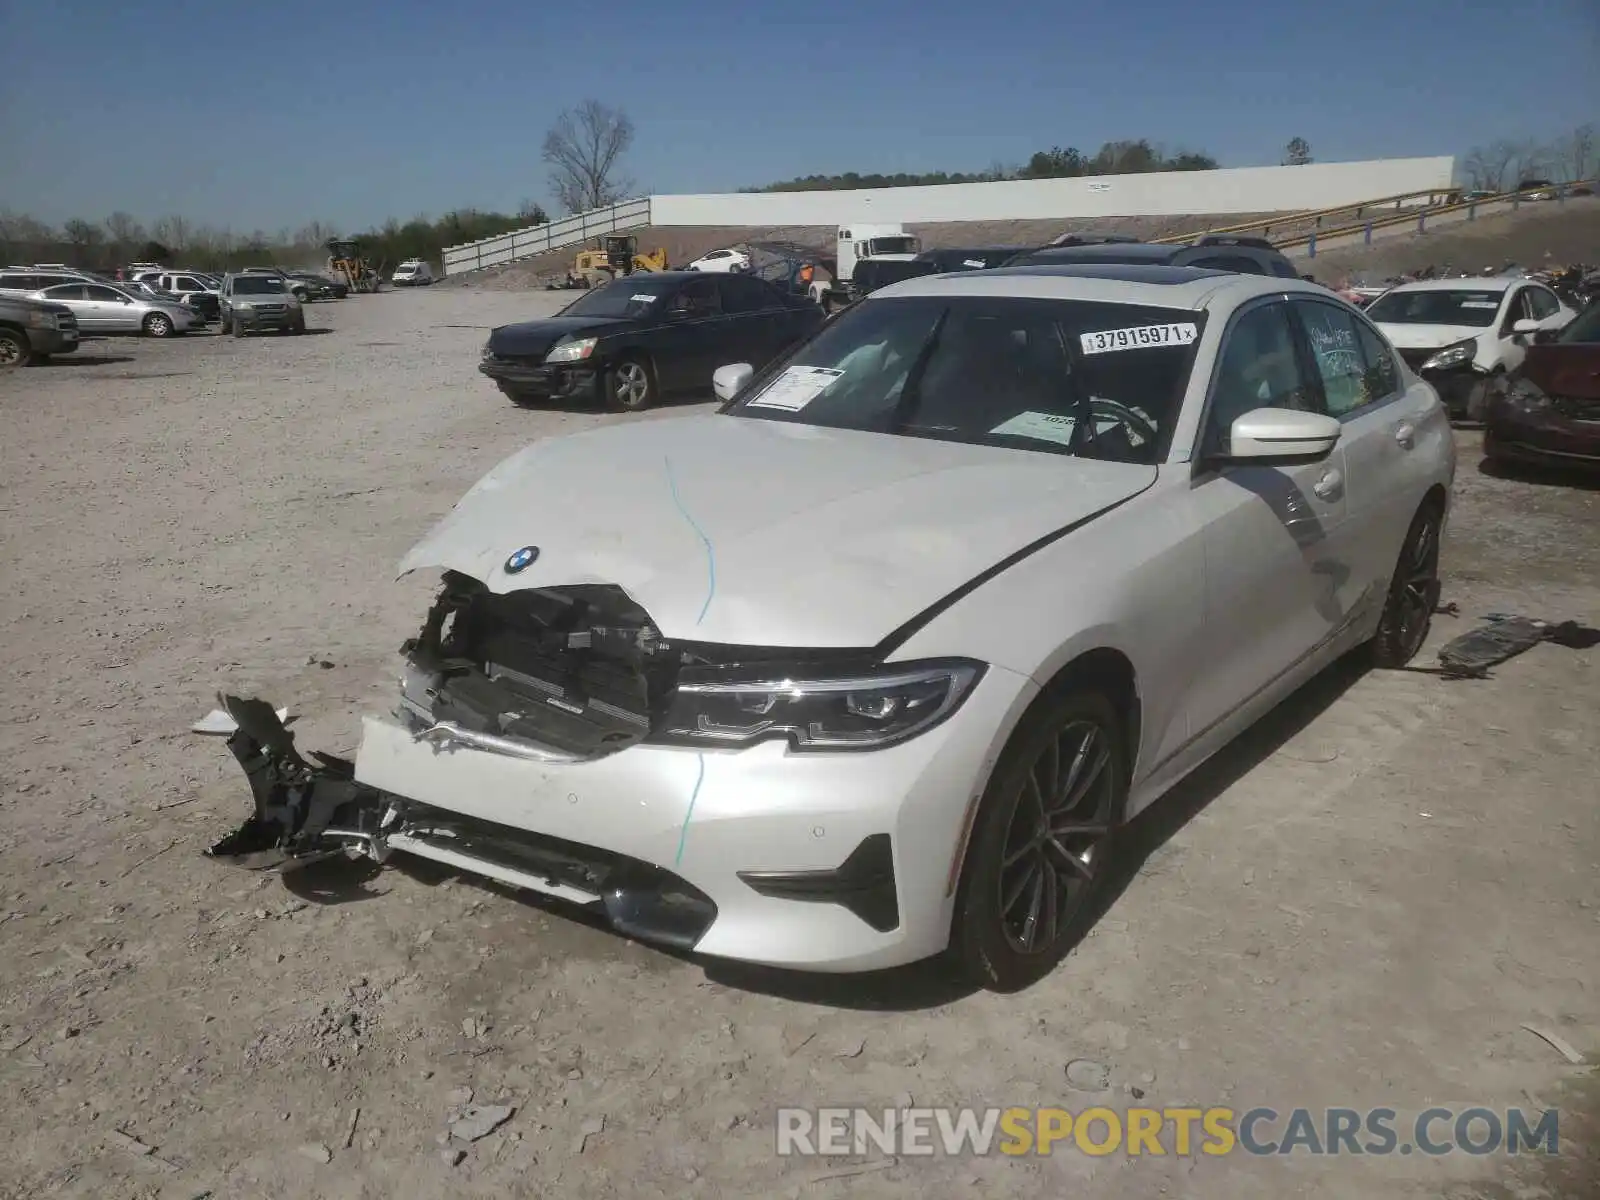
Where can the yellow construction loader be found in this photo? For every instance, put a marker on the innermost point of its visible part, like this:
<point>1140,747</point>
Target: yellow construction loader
<point>345,262</point>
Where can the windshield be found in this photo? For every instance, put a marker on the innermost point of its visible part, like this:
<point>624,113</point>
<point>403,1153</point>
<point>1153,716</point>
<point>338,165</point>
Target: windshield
<point>1075,377</point>
<point>629,297</point>
<point>895,245</point>
<point>1585,327</point>
<point>1437,307</point>
<point>257,285</point>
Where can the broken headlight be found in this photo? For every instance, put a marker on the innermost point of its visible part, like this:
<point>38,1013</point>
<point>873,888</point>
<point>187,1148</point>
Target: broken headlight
<point>864,711</point>
<point>1524,396</point>
<point>1453,355</point>
<point>571,351</point>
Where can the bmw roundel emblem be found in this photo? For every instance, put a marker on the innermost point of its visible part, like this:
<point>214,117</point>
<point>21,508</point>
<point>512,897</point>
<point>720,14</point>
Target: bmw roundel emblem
<point>522,559</point>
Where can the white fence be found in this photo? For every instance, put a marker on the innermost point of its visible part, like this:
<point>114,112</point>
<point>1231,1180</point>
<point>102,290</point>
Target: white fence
<point>1158,194</point>
<point>569,231</point>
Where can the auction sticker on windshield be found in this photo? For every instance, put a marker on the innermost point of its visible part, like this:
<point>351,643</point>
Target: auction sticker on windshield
<point>795,388</point>
<point>1180,333</point>
<point>642,298</point>
<point>1042,427</point>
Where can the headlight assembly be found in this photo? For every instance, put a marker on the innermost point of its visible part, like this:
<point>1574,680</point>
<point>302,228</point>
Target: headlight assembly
<point>864,711</point>
<point>1453,355</point>
<point>573,351</point>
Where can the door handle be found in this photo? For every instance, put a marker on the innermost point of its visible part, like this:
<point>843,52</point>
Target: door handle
<point>1406,434</point>
<point>1330,486</point>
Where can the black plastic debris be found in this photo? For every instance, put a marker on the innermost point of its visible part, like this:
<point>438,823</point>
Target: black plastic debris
<point>1504,637</point>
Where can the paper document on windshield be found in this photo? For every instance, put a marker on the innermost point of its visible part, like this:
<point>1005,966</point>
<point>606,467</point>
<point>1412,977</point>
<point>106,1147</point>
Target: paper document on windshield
<point>795,388</point>
<point>1042,427</point>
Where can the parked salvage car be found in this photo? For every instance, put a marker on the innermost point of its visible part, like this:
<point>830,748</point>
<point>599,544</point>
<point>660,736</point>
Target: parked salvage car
<point>1215,252</point>
<point>731,259</point>
<point>638,338</point>
<point>254,303</point>
<point>970,258</point>
<point>871,663</point>
<point>1547,411</point>
<point>1460,334</point>
<point>104,310</point>
<point>32,330</point>
<point>312,286</point>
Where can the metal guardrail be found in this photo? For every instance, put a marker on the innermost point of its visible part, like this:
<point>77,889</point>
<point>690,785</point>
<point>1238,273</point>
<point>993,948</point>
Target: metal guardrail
<point>538,239</point>
<point>1265,225</point>
<point>1514,198</point>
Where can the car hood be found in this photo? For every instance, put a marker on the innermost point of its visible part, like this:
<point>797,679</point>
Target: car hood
<point>1427,337</point>
<point>751,532</point>
<point>528,339</point>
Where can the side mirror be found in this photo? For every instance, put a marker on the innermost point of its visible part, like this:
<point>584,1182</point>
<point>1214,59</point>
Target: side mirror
<point>1281,435</point>
<point>728,381</point>
<point>1525,326</point>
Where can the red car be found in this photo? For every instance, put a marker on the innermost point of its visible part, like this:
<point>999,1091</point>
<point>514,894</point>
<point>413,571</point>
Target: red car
<point>1547,411</point>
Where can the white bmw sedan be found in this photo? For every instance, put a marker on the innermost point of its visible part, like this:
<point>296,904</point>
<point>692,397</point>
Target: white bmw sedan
<point>872,663</point>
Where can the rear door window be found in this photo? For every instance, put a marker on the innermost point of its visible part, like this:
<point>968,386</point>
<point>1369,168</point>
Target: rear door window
<point>741,293</point>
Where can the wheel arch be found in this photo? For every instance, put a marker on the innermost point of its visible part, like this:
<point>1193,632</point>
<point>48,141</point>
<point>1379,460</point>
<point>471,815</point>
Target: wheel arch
<point>1101,668</point>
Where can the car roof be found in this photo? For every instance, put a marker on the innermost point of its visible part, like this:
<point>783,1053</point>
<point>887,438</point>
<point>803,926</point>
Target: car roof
<point>1111,283</point>
<point>1121,252</point>
<point>1464,283</point>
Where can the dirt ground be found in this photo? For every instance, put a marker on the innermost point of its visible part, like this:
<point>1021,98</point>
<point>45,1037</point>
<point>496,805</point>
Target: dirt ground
<point>1359,904</point>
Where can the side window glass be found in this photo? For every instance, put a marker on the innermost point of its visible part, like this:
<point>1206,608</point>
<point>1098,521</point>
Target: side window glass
<point>739,293</point>
<point>1516,310</point>
<point>1337,353</point>
<point>1544,303</point>
<point>68,291</point>
<point>1383,377</point>
<point>1259,369</point>
<point>93,292</point>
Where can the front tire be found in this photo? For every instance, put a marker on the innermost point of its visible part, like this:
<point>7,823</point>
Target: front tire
<point>1040,848</point>
<point>238,328</point>
<point>630,385</point>
<point>14,350</point>
<point>157,325</point>
<point>1413,591</point>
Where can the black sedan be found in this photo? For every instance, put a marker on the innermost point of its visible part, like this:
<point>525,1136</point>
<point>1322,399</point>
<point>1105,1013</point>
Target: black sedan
<point>648,334</point>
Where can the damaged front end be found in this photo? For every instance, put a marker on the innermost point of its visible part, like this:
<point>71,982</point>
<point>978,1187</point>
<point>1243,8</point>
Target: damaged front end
<point>560,675</point>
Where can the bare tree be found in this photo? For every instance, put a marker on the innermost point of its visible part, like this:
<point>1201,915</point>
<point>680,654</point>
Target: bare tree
<point>583,149</point>
<point>1297,153</point>
<point>82,235</point>
<point>1486,167</point>
<point>172,231</point>
<point>1576,154</point>
<point>123,229</point>
<point>1530,160</point>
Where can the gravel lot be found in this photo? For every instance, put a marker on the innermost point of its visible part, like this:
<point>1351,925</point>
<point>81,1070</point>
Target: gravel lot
<point>1358,905</point>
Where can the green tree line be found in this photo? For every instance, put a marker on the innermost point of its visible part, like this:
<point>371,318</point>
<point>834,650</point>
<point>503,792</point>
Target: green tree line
<point>120,239</point>
<point>1113,158</point>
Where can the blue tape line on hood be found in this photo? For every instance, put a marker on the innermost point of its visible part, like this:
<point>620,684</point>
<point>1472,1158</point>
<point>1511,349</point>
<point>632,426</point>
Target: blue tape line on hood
<point>711,554</point>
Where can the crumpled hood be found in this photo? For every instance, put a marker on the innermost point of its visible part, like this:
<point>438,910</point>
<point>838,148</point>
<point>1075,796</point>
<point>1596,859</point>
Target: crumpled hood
<point>1427,337</point>
<point>528,339</point>
<point>752,532</point>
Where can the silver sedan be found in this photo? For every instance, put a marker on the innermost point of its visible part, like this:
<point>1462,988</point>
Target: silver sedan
<point>103,309</point>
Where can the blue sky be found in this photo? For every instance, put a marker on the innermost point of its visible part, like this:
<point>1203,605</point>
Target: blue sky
<point>265,116</point>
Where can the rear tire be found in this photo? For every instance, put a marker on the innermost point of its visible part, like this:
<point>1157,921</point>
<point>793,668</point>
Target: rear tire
<point>1041,846</point>
<point>1413,591</point>
<point>157,325</point>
